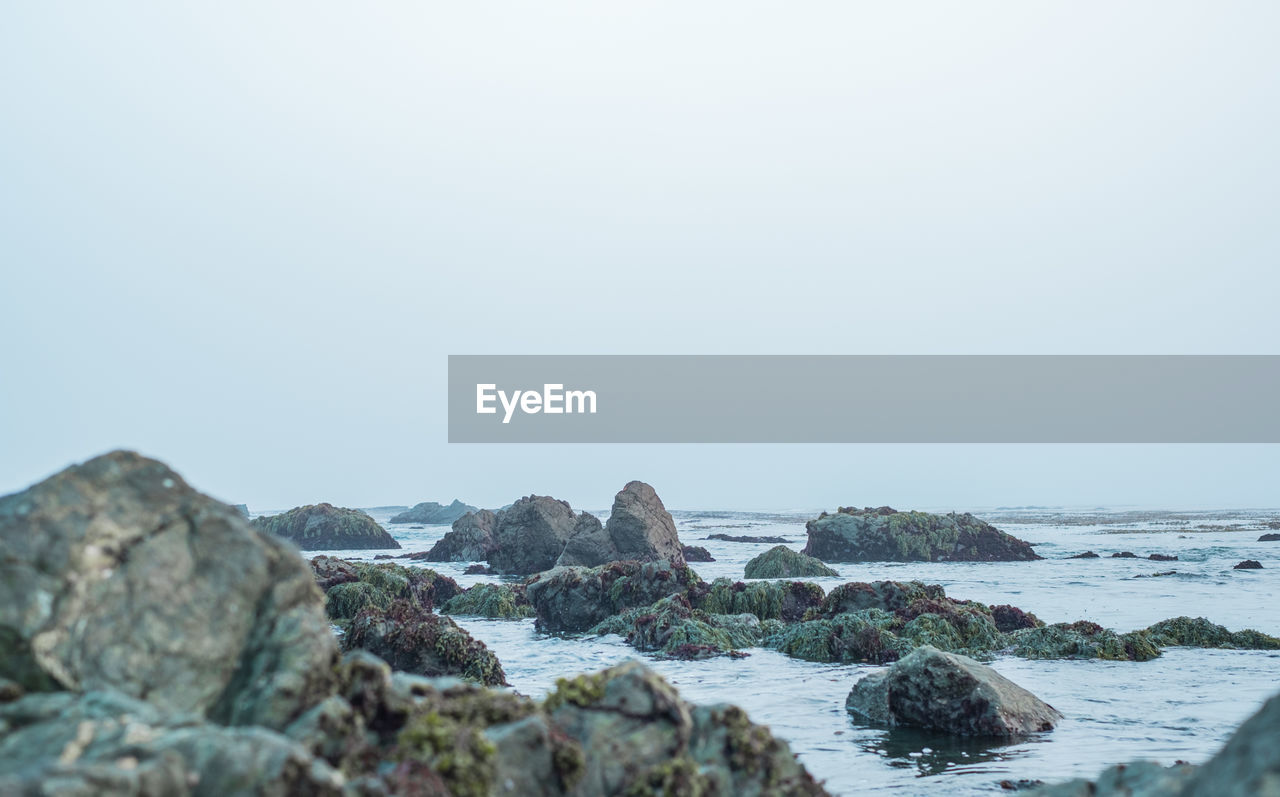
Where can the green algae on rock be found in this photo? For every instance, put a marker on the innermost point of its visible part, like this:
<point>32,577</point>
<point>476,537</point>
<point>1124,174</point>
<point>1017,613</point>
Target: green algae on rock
<point>492,601</point>
<point>1082,640</point>
<point>352,586</point>
<point>674,629</point>
<point>887,535</point>
<point>413,639</point>
<point>782,562</point>
<point>768,600</point>
<point>575,599</point>
<point>325,527</point>
<point>1199,632</point>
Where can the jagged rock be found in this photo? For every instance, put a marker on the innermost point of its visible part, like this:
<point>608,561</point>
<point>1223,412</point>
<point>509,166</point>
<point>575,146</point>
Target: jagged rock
<point>1010,618</point>
<point>745,538</point>
<point>1124,555</point>
<point>116,575</point>
<point>325,527</point>
<point>530,535</point>
<point>695,553</point>
<point>639,529</point>
<point>470,540</point>
<point>886,535</point>
<point>1085,555</point>
<point>782,562</point>
<point>1249,564</point>
<point>575,599</point>
<point>1269,538</point>
<point>413,639</point>
<point>932,689</point>
<point>494,601</point>
<point>433,514</point>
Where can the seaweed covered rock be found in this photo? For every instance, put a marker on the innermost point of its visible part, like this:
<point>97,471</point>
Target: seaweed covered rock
<point>325,527</point>
<point>891,596</point>
<point>413,639</point>
<point>639,529</point>
<point>1200,633</point>
<point>469,540</point>
<point>782,562</point>
<point>863,636</point>
<point>432,514</point>
<point>353,586</point>
<point>696,553</point>
<point>886,535</point>
<point>747,538</point>
<point>637,736</point>
<point>1249,564</point>
<point>1010,618</point>
<point>929,688</point>
<point>1269,538</point>
<point>788,601</point>
<point>116,575</point>
<point>529,536</point>
<point>494,601</point>
<point>575,599</point>
<point>676,630</point>
<point>1083,640</point>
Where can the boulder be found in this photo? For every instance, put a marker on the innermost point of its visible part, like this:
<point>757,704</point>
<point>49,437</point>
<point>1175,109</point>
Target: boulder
<point>929,688</point>
<point>787,601</point>
<point>1085,555</point>
<point>352,586</point>
<point>886,535</point>
<point>1269,538</point>
<point>782,562</point>
<point>574,599</point>
<point>745,538</point>
<point>696,553</point>
<point>492,601</point>
<point>639,529</point>
<point>433,514</point>
<point>470,539</point>
<point>1124,555</point>
<point>413,639</point>
<point>1249,564</point>
<point>529,535</point>
<point>116,575</point>
<point>1162,557</point>
<point>325,527</point>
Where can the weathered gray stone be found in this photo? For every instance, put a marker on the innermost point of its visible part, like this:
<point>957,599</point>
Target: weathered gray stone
<point>886,535</point>
<point>470,539</point>
<point>639,529</point>
<point>432,513</point>
<point>116,575</point>
<point>325,527</point>
<point>529,535</point>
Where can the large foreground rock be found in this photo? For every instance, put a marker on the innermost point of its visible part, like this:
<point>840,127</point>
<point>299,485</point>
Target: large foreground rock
<point>470,539</point>
<point>325,527</point>
<point>950,693</point>
<point>434,514</point>
<point>886,535</point>
<point>115,575</point>
<point>529,535</point>
<point>639,529</point>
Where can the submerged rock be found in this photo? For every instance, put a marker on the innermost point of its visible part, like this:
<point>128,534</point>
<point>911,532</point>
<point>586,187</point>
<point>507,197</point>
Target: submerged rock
<point>886,535</point>
<point>639,529</point>
<point>118,576</point>
<point>494,601</point>
<point>744,538</point>
<point>325,527</point>
<point>1269,538</point>
<point>1124,555</point>
<point>470,539</point>
<point>1162,557</point>
<point>953,694</point>
<point>433,514</point>
<point>695,553</point>
<point>1199,632</point>
<point>1249,564</point>
<point>529,536</point>
<point>782,562</point>
<point>413,639</point>
<point>575,599</point>
<point>1085,555</point>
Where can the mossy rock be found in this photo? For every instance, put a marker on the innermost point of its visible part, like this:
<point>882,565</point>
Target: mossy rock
<point>493,601</point>
<point>889,596</point>
<point>325,527</point>
<point>864,636</point>
<point>1082,640</point>
<point>672,628</point>
<point>771,600</point>
<point>886,535</point>
<point>782,562</point>
<point>1200,633</point>
<point>414,640</point>
<point>381,584</point>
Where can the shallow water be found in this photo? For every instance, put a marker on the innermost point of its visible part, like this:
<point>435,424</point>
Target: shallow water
<point>1181,706</point>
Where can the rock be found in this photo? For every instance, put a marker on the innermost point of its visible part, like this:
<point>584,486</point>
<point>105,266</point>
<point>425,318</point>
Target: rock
<point>639,529</point>
<point>940,691</point>
<point>886,535</point>
<point>694,553</point>
<point>676,630</point>
<point>1083,640</point>
<point>433,514</point>
<point>1157,574</point>
<point>1135,779</point>
<point>324,527</point>
<point>103,742</point>
<point>1124,555</point>
<point>1249,763</point>
<point>889,596</point>
<point>494,601</point>
<point>782,562</point>
<point>413,639</point>
<point>478,570</point>
<point>1269,538</point>
<point>352,586</point>
<point>530,535</point>
<point>1199,632</point>
<point>1162,557</point>
<point>470,540</point>
<point>118,576</point>
<point>731,538</point>
<point>1010,618</point>
<point>243,509</point>
<point>575,599</point>
<point>1249,564</point>
<point>788,601</point>
<point>1085,555</point>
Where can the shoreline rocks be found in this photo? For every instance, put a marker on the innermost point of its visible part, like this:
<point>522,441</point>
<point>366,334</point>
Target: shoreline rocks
<point>469,540</point>
<point>935,690</point>
<point>1269,538</point>
<point>639,529</point>
<point>743,538</point>
<point>414,640</point>
<point>886,535</point>
<point>431,513</point>
<point>529,536</point>
<point>782,562</point>
<point>575,599</point>
<point>325,527</point>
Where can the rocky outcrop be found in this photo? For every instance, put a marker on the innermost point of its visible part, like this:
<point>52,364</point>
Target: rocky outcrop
<point>492,601</point>
<point>432,514</point>
<point>696,553</point>
<point>639,529</point>
<point>886,535</point>
<point>1085,555</point>
<point>1201,633</point>
<point>1269,538</point>
<point>782,562</point>
<point>324,527</point>
<point>1249,564</point>
<point>413,639</point>
<point>745,538</point>
<point>529,536</point>
<point>470,539</point>
<point>575,599</point>
<point>949,693</point>
<point>786,601</point>
<point>674,629</point>
<point>118,576</point>
<point>352,586</point>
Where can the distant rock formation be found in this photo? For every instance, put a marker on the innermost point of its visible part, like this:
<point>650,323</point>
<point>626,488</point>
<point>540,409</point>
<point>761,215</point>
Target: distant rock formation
<point>325,527</point>
<point>639,529</point>
<point>432,514</point>
<point>887,535</point>
<point>1269,538</point>
<point>732,538</point>
<point>1249,564</point>
<point>470,540</point>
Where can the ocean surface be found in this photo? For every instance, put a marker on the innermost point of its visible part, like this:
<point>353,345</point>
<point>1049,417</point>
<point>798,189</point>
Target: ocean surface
<point>1181,706</point>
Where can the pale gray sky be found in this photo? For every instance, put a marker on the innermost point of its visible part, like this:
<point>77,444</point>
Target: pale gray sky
<point>243,238</point>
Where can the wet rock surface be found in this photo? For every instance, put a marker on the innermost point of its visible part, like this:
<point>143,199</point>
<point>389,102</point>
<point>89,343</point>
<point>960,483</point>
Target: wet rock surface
<point>576,599</point>
<point>469,540</point>
<point>530,535</point>
<point>1249,564</point>
<point>886,535</point>
<point>639,529</point>
<point>324,527</point>
<point>746,538</point>
<point>696,553</point>
<point>415,640</point>
<point>782,562</point>
<point>432,513</point>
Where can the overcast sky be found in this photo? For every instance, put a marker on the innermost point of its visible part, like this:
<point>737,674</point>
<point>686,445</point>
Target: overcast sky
<point>244,237</point>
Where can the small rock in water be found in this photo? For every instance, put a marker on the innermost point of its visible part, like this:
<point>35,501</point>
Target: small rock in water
<point>731,538</point>
<point>1162,557</point>
<point>1085,555</point>
<point>1124,555</point>
<point>1249,564</point>
<point>1269,538</point>
<point>696,553</point>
